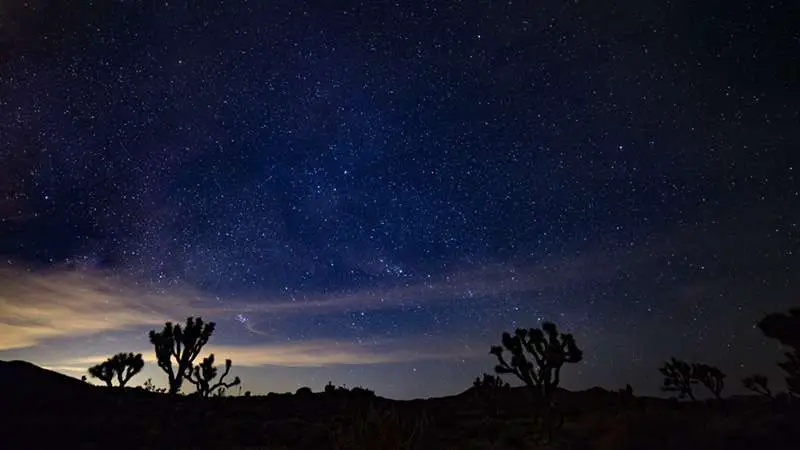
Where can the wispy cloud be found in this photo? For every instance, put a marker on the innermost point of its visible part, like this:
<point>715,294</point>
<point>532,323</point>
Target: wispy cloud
<point>38,306</point>
<point>35,307</point>
<point>314,353</point>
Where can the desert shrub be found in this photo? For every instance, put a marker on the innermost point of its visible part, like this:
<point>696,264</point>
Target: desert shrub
<point>378,428</point>
<point>489,382</point>
<point>362,392</point>
<point>305,390</point>
<point>150,387</point>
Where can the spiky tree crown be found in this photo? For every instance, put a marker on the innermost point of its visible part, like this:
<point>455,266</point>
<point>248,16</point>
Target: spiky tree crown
<point>204,374</point>
<point>678,378</point>
<point>122,365</point>
<point>758,384</point>
<point>537,355</point>
<point>711,377</point>
<point>183,344</point>
<point>103,372</point>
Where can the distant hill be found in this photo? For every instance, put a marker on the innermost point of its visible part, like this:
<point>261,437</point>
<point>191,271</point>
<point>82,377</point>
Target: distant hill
<point>24,379</point>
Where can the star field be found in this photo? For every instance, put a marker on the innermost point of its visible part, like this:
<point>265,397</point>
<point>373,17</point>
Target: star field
<point>373,192</point>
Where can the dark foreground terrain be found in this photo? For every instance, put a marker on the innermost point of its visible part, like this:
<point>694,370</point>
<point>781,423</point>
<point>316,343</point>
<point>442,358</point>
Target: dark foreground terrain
<point>43,409</point>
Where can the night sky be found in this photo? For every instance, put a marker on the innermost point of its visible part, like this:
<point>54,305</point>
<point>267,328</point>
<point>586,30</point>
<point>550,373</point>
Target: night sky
<point>372,192</point>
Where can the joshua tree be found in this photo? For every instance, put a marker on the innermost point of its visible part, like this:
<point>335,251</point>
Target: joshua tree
<point>203,375</point>
<point>758,384</point>
<point>710,377</point>
<point>123,366</point>
<point>678,378</point>
<point>536,358</point>
<point>786,329</point>
<point>181,344</point>
<point>103,372</point>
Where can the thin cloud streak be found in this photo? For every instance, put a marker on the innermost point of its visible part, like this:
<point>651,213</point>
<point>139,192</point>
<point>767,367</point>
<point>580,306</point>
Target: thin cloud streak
<point>39,306</point>
<point>36,307</point>
<point>313,353</point>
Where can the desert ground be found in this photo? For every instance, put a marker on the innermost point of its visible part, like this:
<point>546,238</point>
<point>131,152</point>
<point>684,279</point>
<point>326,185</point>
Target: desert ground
<point>43,409</point>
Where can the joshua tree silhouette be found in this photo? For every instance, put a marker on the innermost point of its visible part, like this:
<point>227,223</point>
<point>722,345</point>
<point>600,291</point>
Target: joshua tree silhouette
<point>711,377</point>
<point>182,344</point>
<point>122,366</point>
<point>203,375</point>
<point>758,384</point>
<point>786,329</point>
<point>537,356</point>
<point>678,378</point>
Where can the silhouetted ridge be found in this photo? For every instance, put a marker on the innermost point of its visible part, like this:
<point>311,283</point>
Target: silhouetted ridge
<point>24,379</point>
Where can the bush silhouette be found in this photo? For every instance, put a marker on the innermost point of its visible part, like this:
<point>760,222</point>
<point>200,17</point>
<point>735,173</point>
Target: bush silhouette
<point>202,376</point>
<point>362,391</point>
<point>379,428</point>
<point>150,387</point>
<point>758,384</point>
<point>122,367</point>
<point>305,390</point>
<point>678,378</point>
<point>786,329</point>
<point>489,390</point>
<point>182,344</point>
<point>711,377</point>
<point>628,391</point>
<point>489,382</point>
<point>537,357</point>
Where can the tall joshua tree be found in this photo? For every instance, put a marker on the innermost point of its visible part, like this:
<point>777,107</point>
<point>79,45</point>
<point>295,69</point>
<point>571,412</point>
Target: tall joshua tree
<point>537,356</point>
<point>711,377</point>
<point>786,329</point>
<point>181,344</point>
<point>203,375</point>
<point>678,378</point>
<point>122,366</point>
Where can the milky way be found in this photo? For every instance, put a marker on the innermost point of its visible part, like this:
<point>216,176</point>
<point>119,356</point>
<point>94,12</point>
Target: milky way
<point>372,193</point>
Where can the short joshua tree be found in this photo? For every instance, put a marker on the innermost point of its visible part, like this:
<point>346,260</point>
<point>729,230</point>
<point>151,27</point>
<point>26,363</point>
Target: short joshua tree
<point>204,374</point>
<point>122,367</point>
<point>711,377</point>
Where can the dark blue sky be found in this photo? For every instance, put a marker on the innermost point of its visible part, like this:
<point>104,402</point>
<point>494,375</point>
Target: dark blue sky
<point>385,188</point>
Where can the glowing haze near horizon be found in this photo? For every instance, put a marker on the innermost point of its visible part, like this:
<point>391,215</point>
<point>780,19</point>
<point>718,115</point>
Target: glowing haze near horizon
<point>371,193</point>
